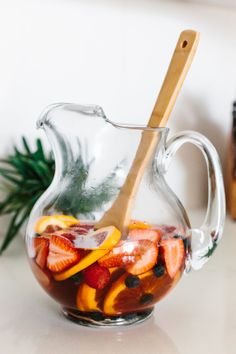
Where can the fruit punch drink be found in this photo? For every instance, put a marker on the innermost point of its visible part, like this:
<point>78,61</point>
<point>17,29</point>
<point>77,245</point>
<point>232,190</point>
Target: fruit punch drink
<point>101,275</point>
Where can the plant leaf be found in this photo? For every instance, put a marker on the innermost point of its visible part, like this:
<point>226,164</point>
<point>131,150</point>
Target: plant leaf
<point>26,146</point>
<point>29,173</point>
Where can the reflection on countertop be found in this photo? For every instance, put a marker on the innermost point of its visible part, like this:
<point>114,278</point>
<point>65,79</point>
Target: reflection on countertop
<point>144,338</point>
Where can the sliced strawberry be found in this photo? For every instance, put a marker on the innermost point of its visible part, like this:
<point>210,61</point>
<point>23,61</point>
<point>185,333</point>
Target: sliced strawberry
<point>96,276</point>
<point>41,246</point>
<point>62,254</point>
<point>121,255</point>
<point>173,249</point>
<point>145,234</point>
<point>146,257</point>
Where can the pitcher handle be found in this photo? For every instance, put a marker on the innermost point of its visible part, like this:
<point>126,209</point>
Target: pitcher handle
<point>205,239</point>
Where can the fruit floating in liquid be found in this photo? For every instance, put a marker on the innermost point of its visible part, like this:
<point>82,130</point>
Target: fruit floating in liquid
<point>108,275</point>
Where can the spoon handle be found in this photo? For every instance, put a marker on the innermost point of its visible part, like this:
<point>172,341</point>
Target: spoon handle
<point>119,213</point>
<point>180,63</point>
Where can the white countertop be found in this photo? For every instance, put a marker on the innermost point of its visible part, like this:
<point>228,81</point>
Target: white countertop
<point>197,317</point>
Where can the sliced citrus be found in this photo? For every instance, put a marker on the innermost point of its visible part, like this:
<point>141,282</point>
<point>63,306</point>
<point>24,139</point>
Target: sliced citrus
<point>123,299</point>
<point>89,299</point>
<point>61,221</point>
<point>103,240</point>
<point>45,221</point>
<point>135,224</point>
<point>68,219</point>
<point>86,298</point>
<point>89,259</point>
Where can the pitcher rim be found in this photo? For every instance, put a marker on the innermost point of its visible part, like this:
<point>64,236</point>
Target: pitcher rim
<point>91,110</point>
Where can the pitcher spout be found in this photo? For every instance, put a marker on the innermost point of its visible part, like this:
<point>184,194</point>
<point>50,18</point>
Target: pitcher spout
<point>67,135</point>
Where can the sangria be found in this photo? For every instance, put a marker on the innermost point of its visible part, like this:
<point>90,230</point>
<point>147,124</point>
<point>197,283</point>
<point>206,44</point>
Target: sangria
<point>101,277</point>
<point>110,276</point>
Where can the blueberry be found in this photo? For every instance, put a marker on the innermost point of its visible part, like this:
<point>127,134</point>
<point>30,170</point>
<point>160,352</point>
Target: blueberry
<point>77,278</point>
<point>132,281</point>
<point>159,270</point>
<point>146,299</point>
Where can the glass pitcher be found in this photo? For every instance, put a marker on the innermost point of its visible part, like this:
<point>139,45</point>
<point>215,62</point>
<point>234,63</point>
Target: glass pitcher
<point>103,277</point>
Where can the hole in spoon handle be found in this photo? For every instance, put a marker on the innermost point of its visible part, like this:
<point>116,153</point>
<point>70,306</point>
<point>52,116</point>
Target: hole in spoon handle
<point>184,44</point>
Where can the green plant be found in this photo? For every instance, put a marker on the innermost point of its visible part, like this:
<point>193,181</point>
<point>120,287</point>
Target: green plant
<point>27,174</point>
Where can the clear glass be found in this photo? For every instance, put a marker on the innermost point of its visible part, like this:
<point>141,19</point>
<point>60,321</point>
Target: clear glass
<point>103,278</point>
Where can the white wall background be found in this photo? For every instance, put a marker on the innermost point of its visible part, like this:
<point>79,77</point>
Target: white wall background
<point>214,2</point>
<point>115,53</point>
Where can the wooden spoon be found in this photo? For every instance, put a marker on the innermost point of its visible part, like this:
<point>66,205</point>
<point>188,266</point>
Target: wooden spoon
<point>119,213</point>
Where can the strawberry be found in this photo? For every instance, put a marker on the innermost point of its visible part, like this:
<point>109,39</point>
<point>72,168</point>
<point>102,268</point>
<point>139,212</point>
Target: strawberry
<point>121,255</point>
<point>173,250</point>
<point>62,254</point>
<point>41,246</point>
<point>96,276</point>
<point>145,234</point>
<point>146,257</point>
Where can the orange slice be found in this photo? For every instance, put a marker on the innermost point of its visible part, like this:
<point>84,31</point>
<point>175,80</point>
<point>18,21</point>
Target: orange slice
<point>88,298</point>
<point>68,219</point>
<point>63,221</point>
<point>135,224</point>
<point>104,239</point>
<point>121,299</point>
